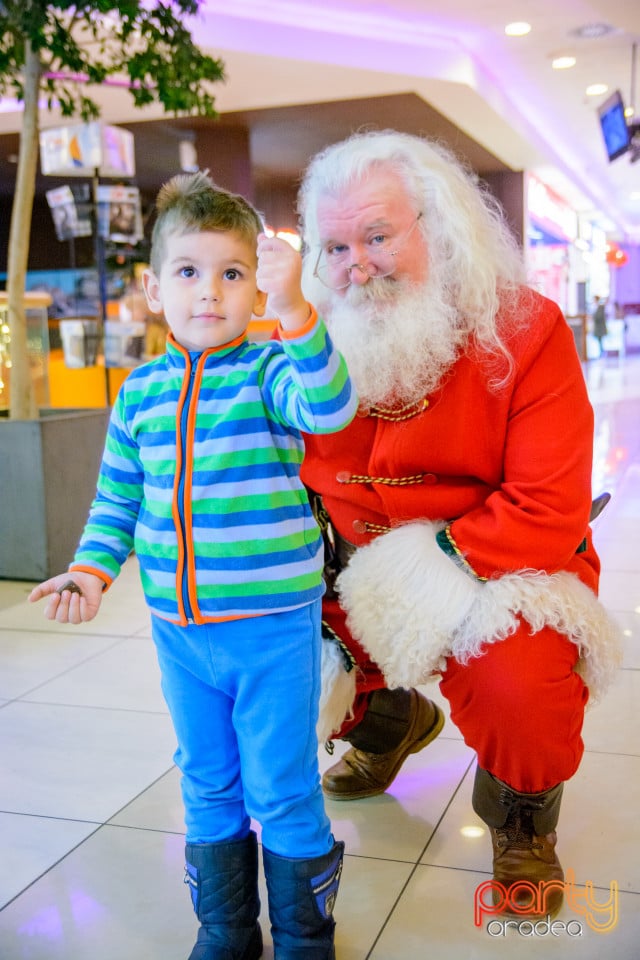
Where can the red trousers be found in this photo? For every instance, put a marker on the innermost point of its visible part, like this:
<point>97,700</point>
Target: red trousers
<point>520,705</point>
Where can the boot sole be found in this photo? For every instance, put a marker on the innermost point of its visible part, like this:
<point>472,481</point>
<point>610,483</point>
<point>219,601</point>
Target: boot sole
<point>418,745</point>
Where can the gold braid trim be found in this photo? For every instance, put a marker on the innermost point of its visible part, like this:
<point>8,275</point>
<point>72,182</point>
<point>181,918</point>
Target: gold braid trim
<point>389,481</point>
<point>328,633</point>
<point>376,528</point>
<point>456,553</point>
<point>404,413</point>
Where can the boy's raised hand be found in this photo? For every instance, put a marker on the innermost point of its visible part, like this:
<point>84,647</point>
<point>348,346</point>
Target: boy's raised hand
<point>279,273</point>
<point>73,597</point>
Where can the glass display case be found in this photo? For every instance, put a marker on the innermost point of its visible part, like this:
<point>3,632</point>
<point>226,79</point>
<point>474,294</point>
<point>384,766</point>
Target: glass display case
<point>36,306</point>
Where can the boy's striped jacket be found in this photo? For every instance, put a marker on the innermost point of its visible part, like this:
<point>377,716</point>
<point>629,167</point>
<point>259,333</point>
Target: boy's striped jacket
<point>201,476</point>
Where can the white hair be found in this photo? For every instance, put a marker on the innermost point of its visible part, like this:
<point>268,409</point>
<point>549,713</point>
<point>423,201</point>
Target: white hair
<point>475,263</point>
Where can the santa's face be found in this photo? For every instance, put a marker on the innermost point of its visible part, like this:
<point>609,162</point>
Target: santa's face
<point>368,231</point>
<point>395,327</point>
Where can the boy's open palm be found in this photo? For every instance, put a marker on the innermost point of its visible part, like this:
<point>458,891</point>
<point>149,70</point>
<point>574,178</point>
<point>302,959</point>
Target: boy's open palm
<point>65,604</point>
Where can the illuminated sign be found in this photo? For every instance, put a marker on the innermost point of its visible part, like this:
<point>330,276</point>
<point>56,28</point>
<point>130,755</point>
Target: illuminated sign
<point>551,211</point>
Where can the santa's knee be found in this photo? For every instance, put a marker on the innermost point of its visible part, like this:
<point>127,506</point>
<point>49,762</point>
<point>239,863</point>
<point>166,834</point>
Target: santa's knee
<point>515,701</point>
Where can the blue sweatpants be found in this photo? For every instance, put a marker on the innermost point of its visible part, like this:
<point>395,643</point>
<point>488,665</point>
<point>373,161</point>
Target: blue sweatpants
<point>243,697</point>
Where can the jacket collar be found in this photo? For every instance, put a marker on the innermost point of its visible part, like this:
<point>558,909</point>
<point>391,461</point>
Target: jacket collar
<point>180,356</point>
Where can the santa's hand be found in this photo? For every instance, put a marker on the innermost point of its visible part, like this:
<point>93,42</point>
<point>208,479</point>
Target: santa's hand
<point>279,273</point>
<point>72,597</point>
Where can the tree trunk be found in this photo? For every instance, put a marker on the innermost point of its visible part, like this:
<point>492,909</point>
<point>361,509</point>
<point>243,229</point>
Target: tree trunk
<point>23,402</point>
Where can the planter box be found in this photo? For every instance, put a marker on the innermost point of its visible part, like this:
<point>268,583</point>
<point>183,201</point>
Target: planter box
<point>48,473</point>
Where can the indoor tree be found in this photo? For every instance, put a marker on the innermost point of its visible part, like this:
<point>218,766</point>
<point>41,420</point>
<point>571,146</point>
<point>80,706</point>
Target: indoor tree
<point>54,53</point>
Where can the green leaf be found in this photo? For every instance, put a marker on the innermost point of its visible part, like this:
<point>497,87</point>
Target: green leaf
<point>148,44</point>
<point>77,46</point>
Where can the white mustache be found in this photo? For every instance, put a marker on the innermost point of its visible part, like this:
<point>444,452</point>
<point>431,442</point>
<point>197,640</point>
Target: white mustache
<point>398,341</point>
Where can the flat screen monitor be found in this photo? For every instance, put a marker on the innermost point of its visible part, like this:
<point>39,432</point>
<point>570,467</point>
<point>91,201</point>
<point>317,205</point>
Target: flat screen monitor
<point>614,127</point>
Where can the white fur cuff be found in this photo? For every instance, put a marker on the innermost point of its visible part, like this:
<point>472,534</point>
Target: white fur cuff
<point>411,606</point>
<point>404,600</point>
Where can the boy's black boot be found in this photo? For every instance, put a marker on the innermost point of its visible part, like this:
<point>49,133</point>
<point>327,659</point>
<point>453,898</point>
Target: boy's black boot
<point>301,898</point>
<point>223,881</point>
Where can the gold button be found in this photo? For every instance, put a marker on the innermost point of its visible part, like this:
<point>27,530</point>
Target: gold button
<point>430,478</point>
<point>359,526</point>
<point>343,476</point>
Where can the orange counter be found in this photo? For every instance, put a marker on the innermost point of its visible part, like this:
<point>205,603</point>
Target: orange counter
<point>84,387</point>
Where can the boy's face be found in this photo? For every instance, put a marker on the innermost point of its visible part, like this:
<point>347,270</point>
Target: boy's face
<point>206,288</point>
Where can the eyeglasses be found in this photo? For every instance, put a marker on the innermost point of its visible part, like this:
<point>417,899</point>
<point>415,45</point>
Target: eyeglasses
<point>334,271</point>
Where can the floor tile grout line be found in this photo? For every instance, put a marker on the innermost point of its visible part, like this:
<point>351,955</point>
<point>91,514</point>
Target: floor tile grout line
<point>49,816</point>
<point>612,753</point>
<point>417,863</point>
<point>96,627</point>
<point>135,827</point>
<point>90,706</point>
<point>106,822</point>
<point>140,793</point>
<point>99,826</point>
<point>52,866</point>
<point>70,669</point>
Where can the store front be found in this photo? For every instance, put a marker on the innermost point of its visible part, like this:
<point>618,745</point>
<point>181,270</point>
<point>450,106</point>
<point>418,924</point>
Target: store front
<point>552,230</point>
<point>567,261</point>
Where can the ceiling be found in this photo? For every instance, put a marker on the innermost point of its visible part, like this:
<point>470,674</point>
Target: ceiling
<point>303,73</point>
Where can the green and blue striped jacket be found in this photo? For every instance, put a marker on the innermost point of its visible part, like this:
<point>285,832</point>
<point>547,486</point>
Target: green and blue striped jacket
<point>201,476</point>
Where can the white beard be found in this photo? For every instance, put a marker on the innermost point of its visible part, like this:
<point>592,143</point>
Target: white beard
<point>398,340</point>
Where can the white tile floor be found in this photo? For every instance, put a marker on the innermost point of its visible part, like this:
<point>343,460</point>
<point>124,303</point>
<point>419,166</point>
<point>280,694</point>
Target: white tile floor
<point>91,848</point>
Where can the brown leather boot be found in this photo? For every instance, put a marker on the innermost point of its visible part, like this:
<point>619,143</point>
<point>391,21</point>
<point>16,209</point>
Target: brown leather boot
<point>524,839</point>
<point>397,723</point>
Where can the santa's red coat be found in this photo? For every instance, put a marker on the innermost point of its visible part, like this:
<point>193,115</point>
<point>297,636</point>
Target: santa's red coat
<point>508,470</point>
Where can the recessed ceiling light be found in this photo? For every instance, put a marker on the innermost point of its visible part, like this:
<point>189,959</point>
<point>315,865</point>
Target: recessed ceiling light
<point>518,29</point>
<point>592,31</point>
<point>563,62</point>
<point>596,89</point>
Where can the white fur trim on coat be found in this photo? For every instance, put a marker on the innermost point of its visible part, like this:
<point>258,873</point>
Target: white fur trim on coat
<point>404,600</point>
<point>411,606</point>
<point>338,691</point>
<point>560,601</point>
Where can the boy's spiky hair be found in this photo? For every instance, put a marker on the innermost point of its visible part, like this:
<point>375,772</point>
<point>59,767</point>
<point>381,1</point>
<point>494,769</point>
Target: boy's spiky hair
<point>191,203</point>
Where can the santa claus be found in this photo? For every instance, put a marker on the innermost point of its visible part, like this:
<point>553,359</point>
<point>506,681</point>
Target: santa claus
<point>456,506</point>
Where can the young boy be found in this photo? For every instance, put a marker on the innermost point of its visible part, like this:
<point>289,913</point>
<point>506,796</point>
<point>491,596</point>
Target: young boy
<point>200,476</point>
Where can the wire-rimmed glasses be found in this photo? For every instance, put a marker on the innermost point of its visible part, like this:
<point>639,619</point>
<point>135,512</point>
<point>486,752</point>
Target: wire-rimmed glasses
<point>333,269</point>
